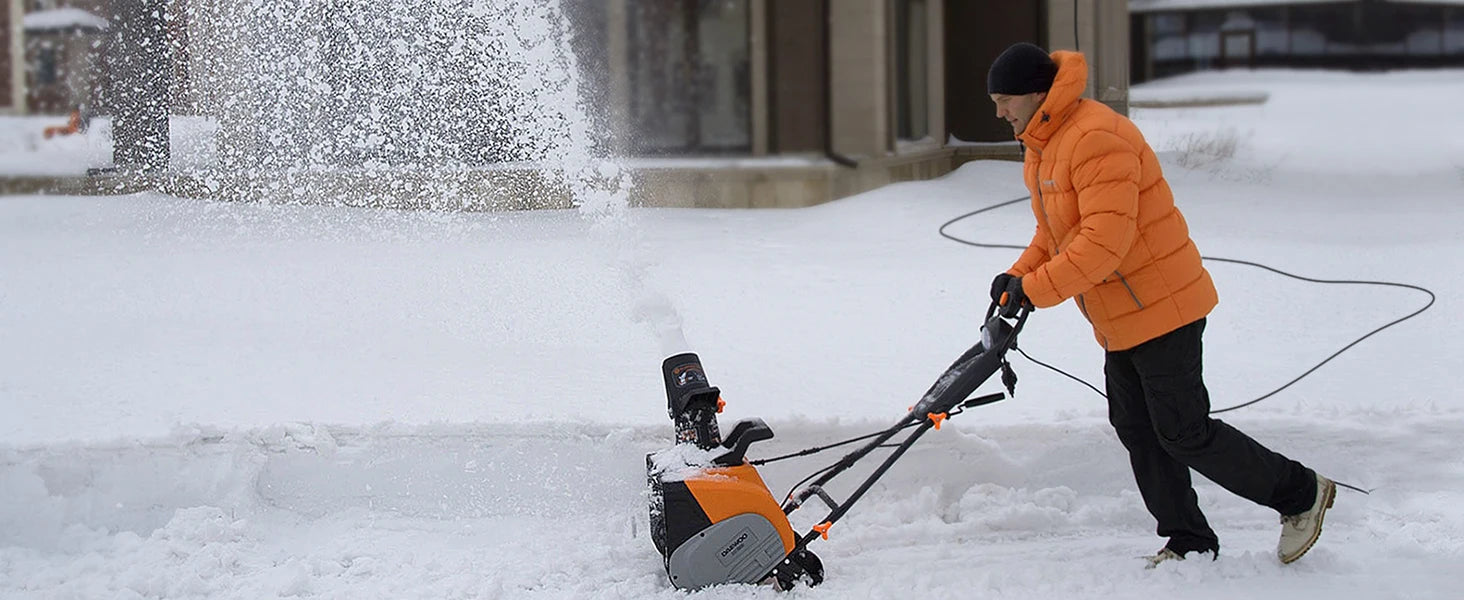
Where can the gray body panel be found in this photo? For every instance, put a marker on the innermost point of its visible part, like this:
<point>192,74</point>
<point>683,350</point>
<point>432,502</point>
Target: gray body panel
<point>741,549</point>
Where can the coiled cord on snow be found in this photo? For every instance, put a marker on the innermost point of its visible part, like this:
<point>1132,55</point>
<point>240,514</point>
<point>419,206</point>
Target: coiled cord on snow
<point>1431,299</point>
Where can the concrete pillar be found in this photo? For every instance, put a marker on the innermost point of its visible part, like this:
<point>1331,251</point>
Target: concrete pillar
<point>141,74</point>
<point>758,58</point>
<point>1102,34</point>
<point>860,97</point>
<point>935,49</point>
<point>1110,80</point>
<point>17,56</point>
<point>618,49</point>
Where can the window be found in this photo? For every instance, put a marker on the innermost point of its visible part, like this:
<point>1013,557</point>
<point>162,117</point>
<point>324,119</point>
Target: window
<point>1204,36</point>
<point>690,78</point>
<point>1410,29</point>
<point>912,72</point>
<point>48,61</point>
<point>1166,37</point>
<point>1322,30</point>
<point>1454,30</point>
<point>1271,31</point>
<point>1238,38</point>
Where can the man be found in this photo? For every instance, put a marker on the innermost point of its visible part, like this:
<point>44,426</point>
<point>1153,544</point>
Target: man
<point>1109,236</point>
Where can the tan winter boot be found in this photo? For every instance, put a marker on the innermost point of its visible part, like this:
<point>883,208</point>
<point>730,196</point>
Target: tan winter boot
<point>1165,554</point>
<point>1162,555</point>
<point>1300,531</point>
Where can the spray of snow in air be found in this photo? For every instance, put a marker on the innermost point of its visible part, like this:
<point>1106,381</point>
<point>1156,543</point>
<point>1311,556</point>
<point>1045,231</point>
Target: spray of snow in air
<point>448,104</point>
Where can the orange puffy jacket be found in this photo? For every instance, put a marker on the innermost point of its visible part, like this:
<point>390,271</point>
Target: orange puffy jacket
<point>1108,232</point>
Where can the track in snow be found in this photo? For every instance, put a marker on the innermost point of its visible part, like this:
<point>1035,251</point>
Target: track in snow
<point>554,511</point>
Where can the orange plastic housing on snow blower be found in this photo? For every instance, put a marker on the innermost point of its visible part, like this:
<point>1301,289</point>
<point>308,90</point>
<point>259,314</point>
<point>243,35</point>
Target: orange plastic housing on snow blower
<point>725,492</point>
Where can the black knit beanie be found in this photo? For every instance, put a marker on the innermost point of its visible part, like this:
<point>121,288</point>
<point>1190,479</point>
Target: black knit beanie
<point>1021,69</point>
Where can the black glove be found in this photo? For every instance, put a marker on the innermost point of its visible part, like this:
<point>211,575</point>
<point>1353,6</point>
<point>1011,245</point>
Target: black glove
<point>999,285</point>
<point>1013,299</point>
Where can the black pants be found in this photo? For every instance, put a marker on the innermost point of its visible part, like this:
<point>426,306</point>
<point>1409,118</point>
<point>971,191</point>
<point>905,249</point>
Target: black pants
<point>1158,404</point>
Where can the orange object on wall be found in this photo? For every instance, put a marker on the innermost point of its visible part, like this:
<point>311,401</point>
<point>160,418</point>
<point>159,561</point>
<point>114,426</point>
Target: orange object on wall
<point>73,125</point>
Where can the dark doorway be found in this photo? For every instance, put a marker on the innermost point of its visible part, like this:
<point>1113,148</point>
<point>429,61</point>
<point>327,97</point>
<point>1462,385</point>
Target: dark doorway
<point>798,69</point>
<point>976,32</point>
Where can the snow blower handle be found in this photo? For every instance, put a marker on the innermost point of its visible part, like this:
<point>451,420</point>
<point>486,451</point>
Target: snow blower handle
<point>997,333</point>
<point>951,390</point>
<point>1013,300</point>
<point>975,366</point>
<point>1019,313</point>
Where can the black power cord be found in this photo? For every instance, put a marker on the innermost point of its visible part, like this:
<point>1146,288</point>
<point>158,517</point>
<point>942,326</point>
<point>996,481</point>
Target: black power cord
<point>1431,299</point>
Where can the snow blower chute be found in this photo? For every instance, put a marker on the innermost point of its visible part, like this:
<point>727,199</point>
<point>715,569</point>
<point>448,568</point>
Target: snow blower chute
<point>714,520</point>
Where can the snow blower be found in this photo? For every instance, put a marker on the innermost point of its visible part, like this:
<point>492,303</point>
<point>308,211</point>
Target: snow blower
<point>713,519</point>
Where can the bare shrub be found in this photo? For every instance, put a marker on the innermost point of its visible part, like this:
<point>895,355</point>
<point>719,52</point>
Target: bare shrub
<point>1206,148</point>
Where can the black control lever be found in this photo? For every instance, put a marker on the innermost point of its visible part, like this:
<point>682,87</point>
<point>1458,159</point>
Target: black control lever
<point>743,435</point>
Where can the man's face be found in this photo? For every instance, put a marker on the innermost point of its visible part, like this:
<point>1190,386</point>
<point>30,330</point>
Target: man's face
<point>1018,110</point>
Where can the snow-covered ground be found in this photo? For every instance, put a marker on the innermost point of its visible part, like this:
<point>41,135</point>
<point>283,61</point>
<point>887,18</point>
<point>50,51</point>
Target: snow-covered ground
<point>240,401</point>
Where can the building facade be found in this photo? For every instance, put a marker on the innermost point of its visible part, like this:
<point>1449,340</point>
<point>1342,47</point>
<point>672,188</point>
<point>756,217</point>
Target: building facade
<point>1172,37</point>
<point>63,54</point>
<point>58,55</point>
<point>820,99</point>
<point>716,103</point>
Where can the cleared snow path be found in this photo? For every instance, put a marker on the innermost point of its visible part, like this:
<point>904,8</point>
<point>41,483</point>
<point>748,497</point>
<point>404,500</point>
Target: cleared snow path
<point>544,510</point>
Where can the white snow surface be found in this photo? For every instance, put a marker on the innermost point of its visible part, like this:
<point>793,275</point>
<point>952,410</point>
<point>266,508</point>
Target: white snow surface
<point>207,400</point>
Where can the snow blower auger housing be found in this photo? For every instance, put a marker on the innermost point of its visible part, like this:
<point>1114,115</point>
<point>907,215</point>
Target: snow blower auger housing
<point>712,517</point>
